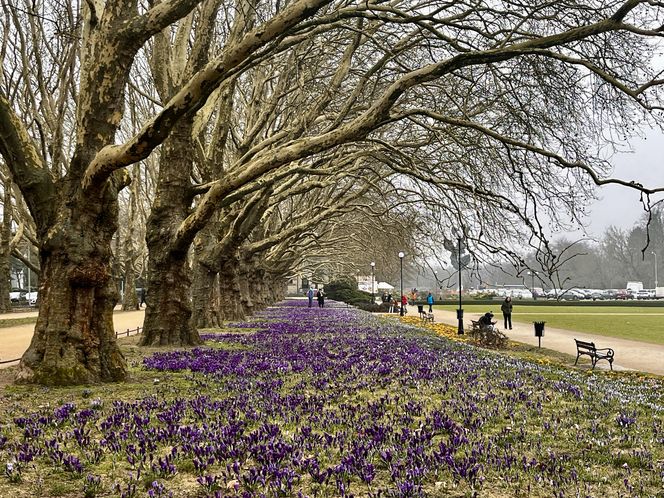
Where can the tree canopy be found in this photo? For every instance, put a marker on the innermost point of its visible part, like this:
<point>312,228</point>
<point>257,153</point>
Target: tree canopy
<point>455,119</point>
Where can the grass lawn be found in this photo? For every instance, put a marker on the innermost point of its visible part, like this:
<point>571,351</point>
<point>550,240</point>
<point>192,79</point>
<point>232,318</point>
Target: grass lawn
<point>334,402</point>
<point>15,322</point>
<point>635,323</point>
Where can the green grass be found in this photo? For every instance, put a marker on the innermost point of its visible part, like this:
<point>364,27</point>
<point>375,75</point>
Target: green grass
<point>15,322</point>
<point>634,323</point>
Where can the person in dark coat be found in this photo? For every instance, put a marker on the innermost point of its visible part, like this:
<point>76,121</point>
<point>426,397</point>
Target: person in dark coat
<point>506,308</point>
<point>485,321</point>
<point>321,298</point>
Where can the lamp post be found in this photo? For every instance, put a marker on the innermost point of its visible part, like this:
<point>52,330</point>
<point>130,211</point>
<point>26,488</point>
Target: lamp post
<point>460,310</point>
<point>401,255</point>
<point>655,254</point>
<point>29,289</point>
<point>373,299</point>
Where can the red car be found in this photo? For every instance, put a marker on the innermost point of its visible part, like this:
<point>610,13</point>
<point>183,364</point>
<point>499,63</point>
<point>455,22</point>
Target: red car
<point>623,294</point>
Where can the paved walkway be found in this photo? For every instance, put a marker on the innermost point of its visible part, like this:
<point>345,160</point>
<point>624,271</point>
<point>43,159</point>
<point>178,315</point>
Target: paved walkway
<point>629,355</point>
<point>15,340</point>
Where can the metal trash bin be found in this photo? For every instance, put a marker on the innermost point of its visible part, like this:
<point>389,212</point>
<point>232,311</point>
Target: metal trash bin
<point>539,331</point>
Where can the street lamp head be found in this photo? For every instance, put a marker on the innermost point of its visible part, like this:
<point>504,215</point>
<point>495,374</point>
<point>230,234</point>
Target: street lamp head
<point>401,255</point>
<point>372,264</point>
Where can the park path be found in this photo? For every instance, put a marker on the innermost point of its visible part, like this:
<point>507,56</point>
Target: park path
<point>15,340</point>
<point>629,355</point>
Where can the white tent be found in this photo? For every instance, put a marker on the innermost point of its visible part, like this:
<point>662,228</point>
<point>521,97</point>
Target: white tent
<point>384,286</point>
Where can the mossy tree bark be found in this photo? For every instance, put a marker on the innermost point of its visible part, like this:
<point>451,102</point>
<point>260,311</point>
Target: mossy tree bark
<point>205,290</point>
<point>74,340</point>
<point>168,311</point>
<point>205,297</point>
<point>230,300</point>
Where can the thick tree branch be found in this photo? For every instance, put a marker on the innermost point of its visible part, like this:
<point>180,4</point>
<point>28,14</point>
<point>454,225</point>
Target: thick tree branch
<point>194,94</point>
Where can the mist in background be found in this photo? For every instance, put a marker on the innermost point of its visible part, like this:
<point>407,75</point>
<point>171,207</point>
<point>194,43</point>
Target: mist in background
<point>619,206</point>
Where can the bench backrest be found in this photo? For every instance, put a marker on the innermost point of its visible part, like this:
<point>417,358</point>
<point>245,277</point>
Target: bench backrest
<point>585,345</point>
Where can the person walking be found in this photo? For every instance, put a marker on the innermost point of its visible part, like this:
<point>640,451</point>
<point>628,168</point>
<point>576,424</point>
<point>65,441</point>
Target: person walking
<point>430,302</point>
<point>404,303</point>
<point>506,308</point>
<point>321,298</point>
<point>310,295</point>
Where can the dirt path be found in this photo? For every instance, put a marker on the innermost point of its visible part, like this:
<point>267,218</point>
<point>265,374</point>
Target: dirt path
<point>15,340</point>
<point>629,355</point>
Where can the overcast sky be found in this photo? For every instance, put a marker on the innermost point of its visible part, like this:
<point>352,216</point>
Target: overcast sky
<point>619,206</point>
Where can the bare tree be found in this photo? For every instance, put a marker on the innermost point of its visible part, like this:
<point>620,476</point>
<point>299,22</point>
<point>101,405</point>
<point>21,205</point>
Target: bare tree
<point>502,80</point>
<point>74,340</point>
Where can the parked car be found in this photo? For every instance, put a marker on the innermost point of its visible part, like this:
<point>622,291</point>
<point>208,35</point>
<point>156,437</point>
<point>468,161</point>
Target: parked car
<point>17,295</point>
<point>553,293</point>
<point>643,294</point>
<point>597,295</point>
<point>623,294</point>
<point>572,295</point>
<point>610,293</point>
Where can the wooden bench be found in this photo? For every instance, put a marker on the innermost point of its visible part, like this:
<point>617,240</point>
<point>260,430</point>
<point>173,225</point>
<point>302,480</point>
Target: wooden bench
<point>425,316</point>
<point>589,349</point>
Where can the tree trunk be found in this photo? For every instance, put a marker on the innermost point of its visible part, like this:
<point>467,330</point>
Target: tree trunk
<point>5,250</point>
<point>205,298</point>
<point>168,311</point>
<point>168,307</point>
<point>247,282</point>
<point>205,292</point>
<point>74,340</point>
<point>130,299</point>
<point>230,307</point>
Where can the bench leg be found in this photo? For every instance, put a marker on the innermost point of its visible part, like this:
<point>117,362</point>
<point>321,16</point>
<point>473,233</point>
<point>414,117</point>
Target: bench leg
<point>577,359</point>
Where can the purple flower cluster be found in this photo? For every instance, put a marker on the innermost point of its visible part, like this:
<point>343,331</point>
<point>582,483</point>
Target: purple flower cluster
<point>333,402</point>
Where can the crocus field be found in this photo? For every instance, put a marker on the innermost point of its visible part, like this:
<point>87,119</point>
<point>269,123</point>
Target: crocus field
<point>333,402</point>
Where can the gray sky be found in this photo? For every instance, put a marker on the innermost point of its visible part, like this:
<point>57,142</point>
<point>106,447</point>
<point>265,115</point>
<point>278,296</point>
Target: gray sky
<point>619,206</point>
